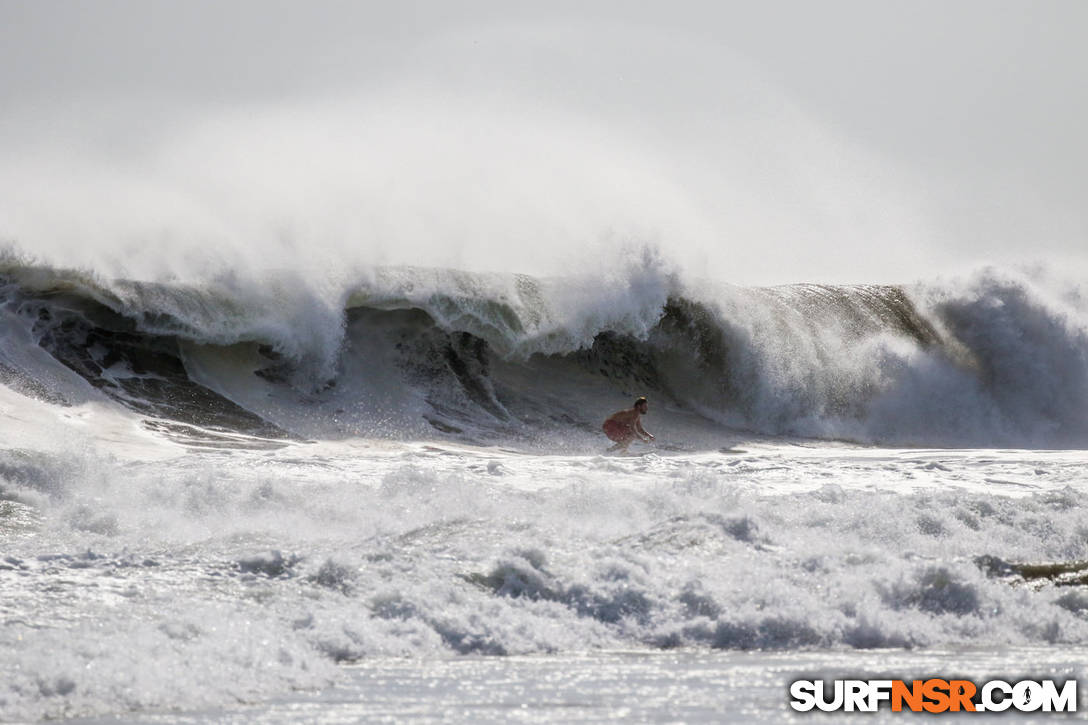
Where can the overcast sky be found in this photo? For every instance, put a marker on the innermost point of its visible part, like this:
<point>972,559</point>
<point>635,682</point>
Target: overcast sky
<point>788,140</point>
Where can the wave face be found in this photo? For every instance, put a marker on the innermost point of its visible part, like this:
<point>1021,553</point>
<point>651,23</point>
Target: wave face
<point>1000,359</point>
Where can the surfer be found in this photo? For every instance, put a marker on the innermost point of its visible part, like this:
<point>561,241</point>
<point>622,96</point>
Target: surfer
<point>625,425</point>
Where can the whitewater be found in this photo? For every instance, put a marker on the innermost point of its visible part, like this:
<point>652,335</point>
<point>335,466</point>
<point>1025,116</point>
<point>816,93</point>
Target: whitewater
<point>237,498</point>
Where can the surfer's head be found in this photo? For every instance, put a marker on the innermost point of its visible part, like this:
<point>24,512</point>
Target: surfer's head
<point>641,405</point>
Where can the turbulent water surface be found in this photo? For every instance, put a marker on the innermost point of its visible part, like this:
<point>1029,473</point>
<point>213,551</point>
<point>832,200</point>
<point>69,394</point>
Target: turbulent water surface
<point>225,492</point>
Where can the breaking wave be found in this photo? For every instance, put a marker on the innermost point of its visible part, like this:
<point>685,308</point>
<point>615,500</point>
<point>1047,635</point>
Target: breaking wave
<point>1000,359</point>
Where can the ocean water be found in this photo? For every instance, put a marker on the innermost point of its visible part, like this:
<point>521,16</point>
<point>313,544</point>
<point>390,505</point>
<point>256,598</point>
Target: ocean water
<point>228,499</point>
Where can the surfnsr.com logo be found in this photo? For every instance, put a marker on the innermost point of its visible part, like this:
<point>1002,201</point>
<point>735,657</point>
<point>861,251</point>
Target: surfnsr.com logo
<point>933,695</point>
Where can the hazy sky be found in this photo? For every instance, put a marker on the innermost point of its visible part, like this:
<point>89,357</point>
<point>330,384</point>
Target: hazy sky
<point>773,141</point>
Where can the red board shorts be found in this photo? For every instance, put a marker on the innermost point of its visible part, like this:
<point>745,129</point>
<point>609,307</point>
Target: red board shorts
<point>618,431</point>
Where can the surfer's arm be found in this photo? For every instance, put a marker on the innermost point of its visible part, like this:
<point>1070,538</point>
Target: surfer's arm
<point>640,429</point>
